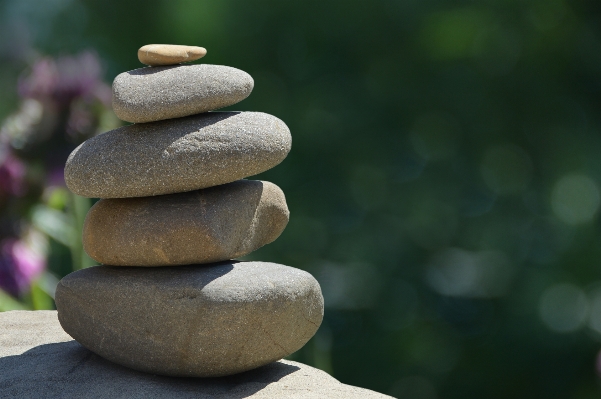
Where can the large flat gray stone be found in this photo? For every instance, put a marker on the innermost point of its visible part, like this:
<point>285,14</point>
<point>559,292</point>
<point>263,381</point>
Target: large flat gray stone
<point>203,226</point>
<point>177,155</point>
<point>39,360</point>
<point>202,320</point>
<point>157,93</point>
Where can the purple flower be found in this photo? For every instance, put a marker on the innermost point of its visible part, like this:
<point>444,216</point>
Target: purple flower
<point>41,82</point>
<point>19,265</point>
<point>65,79</point>
<point>12,177</point>
<point>56,177</point>
<point>82,121</point>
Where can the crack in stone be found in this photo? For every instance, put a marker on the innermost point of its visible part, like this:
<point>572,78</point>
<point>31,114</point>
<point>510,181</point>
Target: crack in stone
<point>315,324</point>
<point>273,341</point>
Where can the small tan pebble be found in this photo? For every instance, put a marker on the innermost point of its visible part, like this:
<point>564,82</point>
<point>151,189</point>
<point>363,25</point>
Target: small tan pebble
<point>169,54</point>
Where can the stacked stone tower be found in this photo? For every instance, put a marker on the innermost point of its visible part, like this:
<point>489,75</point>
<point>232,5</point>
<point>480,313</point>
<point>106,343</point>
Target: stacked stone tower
<point>174,212</point>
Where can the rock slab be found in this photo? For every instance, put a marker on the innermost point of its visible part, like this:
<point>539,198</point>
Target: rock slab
<point>191,321</point>
<point>156,93</point>
<point>178,155</point>
<point>203,226</point>
<point>39,360</point>
<point>169,54</point>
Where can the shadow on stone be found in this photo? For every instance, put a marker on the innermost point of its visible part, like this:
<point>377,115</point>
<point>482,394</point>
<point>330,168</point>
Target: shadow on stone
<point>211,271</point>
<point>68,370</point>
<point>155,69</point>
<point>185,125</point>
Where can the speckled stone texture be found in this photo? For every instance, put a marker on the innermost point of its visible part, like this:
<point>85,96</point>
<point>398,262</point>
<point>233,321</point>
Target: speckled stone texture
<point>197,321</point>
<point>210,225</point>
<point>39,360</point>
<point>169,54</point>
<point>157,93</point>
<point>177,155</point>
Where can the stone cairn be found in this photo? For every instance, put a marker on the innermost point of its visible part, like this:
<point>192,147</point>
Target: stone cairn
<point>174,212</point>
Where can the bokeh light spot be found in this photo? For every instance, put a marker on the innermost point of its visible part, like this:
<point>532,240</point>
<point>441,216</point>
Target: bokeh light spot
<point>594,320</point>
<point>348,286</point>
<point>575,199</point>
<point>460,273</point>
<point>563,308</point>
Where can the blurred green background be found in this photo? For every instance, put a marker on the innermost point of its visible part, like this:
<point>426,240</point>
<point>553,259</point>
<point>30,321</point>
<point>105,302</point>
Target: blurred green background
<point>444,180</point>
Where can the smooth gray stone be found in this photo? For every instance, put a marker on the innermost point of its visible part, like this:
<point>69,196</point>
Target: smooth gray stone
<point>39,360</point>
<point>177,155</point>
<point>203,226</point>
<point>157,93</point>
<point>198,321</point>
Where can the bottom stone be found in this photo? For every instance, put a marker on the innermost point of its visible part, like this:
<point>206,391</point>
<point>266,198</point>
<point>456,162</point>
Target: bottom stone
<point>207,320</point>
<point>38,359</point>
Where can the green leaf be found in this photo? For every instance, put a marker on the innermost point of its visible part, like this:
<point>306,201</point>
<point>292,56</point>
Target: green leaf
<point>7,302</point>
<point>54,223</point>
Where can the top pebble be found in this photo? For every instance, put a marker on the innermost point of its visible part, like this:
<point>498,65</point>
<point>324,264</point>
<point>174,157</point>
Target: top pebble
<point>169,54</point>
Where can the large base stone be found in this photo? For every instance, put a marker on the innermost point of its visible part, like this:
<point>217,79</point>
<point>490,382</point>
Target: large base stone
<point>39,360</point>
<point>191,321</point>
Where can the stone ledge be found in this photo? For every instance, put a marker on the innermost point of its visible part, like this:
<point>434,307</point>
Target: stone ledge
<point>38,359</point>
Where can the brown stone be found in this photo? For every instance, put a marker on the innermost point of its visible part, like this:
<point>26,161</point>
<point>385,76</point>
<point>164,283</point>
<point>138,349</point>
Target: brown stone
<point>169,54</point>
<point>210,225</point>
<point>196,321</point>
<point>177,155</point>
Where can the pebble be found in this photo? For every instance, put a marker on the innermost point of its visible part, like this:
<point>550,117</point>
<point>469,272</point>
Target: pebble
<point>156,93</point>
<point>210,225</point>
<point>169,54</point>
<point>191,321</point>
<point>177,155</point>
